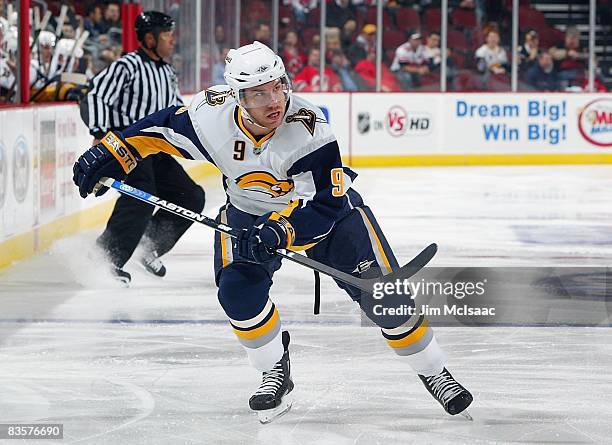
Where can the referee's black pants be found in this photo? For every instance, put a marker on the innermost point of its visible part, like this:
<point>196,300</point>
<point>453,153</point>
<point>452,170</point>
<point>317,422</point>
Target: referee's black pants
<point>163,176</point>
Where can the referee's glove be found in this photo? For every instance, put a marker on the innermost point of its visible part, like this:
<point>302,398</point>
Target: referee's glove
<point>259,242</point>
<point>99,162</point>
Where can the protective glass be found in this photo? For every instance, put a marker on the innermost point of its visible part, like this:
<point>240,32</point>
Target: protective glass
<point>267,94</point>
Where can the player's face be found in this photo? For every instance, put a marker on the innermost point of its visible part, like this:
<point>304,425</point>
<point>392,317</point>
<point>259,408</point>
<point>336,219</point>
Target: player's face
<point>266,103</point>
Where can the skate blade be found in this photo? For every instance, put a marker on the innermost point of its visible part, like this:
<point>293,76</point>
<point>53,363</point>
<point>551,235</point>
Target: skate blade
<point>123,282</point>
<point>268,415</point>
<point>466,415</point>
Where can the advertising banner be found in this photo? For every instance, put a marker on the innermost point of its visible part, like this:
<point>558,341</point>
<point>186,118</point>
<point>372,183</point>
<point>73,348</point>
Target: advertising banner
<point>17,159</point>
<point>493,124</point>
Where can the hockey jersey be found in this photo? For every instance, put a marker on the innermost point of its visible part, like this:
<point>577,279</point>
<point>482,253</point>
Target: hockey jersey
<point>295,171</point>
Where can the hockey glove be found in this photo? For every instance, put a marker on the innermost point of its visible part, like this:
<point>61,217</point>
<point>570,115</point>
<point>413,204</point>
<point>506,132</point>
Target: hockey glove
<point>259,242</point>
<point>100,161</point>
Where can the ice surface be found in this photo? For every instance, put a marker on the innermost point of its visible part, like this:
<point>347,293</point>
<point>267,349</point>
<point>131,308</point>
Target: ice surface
<point>157,363</point>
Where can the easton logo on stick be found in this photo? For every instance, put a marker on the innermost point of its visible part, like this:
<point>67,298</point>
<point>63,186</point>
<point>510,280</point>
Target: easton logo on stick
<point>306,117</point>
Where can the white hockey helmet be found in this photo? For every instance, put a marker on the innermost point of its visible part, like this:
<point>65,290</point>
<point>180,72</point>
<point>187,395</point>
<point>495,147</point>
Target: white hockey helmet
<point>46,38</point>
<point>65,46</point>
<point>252,65</point>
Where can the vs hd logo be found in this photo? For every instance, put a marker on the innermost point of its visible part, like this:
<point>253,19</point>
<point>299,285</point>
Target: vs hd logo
<point>398,122</point>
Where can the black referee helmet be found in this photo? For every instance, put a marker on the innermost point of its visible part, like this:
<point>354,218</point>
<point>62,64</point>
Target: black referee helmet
<point>153,22</point>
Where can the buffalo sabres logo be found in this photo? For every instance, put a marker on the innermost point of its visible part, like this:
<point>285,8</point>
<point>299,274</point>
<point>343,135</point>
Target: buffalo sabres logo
<point>215,97</point>
<point>264,182</point>
<point>306,117</point>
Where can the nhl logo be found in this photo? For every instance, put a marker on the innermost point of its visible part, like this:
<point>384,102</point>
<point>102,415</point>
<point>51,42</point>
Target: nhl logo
<point>363,122</point>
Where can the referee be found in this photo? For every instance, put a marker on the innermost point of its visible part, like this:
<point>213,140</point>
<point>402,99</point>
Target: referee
<point>134,86</point>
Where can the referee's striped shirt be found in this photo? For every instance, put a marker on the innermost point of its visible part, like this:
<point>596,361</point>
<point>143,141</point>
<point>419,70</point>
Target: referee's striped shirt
<point>131,88</point>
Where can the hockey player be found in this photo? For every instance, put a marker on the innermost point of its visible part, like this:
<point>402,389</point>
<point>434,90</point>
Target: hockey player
<point>287,189</point>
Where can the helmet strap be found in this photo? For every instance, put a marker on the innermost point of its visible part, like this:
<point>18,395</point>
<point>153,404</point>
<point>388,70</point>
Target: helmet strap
<point>154,48</point>
<point>250,118</point>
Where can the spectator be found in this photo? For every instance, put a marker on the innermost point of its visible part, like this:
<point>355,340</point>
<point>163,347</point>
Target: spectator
<point>363,45</point>
<point>292,55</point>
<point>41,69</point>
<point>529,51</point>
<point>490,57</point>
<point>218,45</point>
<point>93,19</point>
<point>332,39</point>
<point>105,57</point>
<point>262,34</point>
<point>309,78</point>
<point>348,34</point>
<point>338,13</point>
<point>410,62</point>
<point>64,50</point>
<point>112,17</point>
<point>68,31</point>
<point>542,75</point>
<point>571,60</point>
<point>341,65</point>
<point>219,68</point>
<point>7,68</point>
<point>598,85</point>
<point>366,70</point>
<point>301,9</point>
<point>432,51</point>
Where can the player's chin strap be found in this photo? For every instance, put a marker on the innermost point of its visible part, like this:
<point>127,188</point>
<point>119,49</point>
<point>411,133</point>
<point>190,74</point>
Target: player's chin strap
<point>249,118</point>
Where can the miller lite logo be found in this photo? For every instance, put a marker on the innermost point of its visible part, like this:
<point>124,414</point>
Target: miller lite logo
<point>595,122</point>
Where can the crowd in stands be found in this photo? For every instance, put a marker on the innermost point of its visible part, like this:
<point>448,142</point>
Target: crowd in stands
<point>57,49</point>
<point>478,54</point>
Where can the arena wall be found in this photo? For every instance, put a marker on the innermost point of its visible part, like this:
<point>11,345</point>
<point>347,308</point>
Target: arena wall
<point>38,146</point>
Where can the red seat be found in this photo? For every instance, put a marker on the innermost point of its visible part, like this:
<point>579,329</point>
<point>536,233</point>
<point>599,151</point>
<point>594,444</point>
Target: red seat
<point>477,40</point>
<point>498,82</point>
<point>467,81</point>
<point>387,19</point>
<point>433,19</point>
<point>550,37</point>
<point>314,17</point>
<point>464,18</point>
<point>531,18</point>
<point>457,41</point>
<point>285,15</point>
<point>458,59</point>
<point>393,39</point>
<point>407,18</point>
<point>430,82</point>
<point>508,4</point>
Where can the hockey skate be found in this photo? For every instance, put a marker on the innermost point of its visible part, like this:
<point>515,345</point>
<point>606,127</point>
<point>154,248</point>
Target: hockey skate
<point>272,399</point>
<point>121,276</point>
<point>453,397</point>
<point>153,264</point>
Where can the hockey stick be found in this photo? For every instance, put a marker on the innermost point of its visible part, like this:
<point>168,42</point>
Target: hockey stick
<point>366,285</point>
